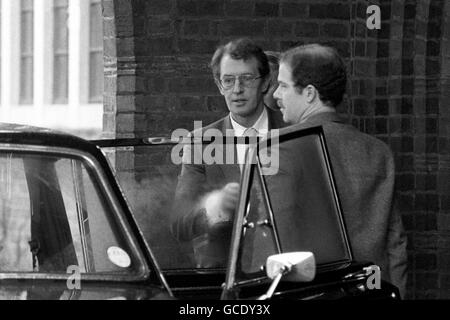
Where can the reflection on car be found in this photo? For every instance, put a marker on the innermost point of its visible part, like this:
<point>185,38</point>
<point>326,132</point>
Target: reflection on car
<point>81,222</point>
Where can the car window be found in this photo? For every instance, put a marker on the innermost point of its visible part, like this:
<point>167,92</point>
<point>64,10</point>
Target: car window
<point>292,208</point>
<point>152,178</point>
<point>54,214</point>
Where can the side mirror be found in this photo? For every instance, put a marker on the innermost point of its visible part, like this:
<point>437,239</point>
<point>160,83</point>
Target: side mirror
<point>292,266</point>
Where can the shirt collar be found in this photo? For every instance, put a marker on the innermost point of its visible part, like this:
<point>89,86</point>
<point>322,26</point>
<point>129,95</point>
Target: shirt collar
<point>261,125</point>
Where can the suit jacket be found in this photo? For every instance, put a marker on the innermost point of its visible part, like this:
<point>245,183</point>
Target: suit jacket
<point>364,171</point>
<point>188,219</point>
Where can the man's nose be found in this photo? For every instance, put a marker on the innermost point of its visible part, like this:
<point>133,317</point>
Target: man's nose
<point>275,93</point>
<point>238,87</point>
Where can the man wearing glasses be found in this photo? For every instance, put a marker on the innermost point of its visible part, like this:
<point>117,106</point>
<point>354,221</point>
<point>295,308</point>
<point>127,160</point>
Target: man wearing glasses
<point>207,195</point>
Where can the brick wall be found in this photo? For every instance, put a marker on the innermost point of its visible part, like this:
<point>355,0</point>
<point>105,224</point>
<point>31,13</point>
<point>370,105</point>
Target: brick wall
<point>157,79</point>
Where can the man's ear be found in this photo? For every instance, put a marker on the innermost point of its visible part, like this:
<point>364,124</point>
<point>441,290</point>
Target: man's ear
<point>311,93</point>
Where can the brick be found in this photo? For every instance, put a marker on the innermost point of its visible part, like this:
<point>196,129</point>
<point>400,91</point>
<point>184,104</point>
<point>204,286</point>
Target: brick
<point>383,49</point>
<point>191,46</point>
<point>426,281</point>
<point>431,144</point>
<point>360,30</point>
<point>192,85</point>
<point>432,106</point>
<point>216,104</point>
<point>190,104</point>
<point>125,123</point>
<point>407,106</point>
<point>444,202</point>
<point>381,107</point>
<point>187,7</point>
<point>385,32</point>
<point>156,47</point>
<point>279,27</point>
<point>408,86</point>
<point>382,69</point>
<point>360,49</point>
<point>431,125</point>
<point>409,29</point>
<point>432,67</point>
<point>239,8</point>
<point>395,126</point>
<point>108,9</point>
<point>330,11</point>
<point>433,48</point>
<point>434,30</point>
<point>266,9</point>
<point>294,10</point>
<point>426,182</point>
<point>157,7</point>
<point>156,27</point>
<point>361,10</point>
<point>381,126</point>
<point>360,107</point>
<point>426,222</point>
<point>210,7</point>
<point>306,29</point>
<point>126,84</point>
<point>407,67</point>
<point>123,7</point>
<point>425,261</point>
<point>405,163</point>
<point>406,125</point>
<point>405,182</point>
<point>426,202</point>
<point>408,222</point>
<point>242,28</point>
<point>343,47</point>
<point>124,26</point>
<point>335,30</point>
<point>407,144</point>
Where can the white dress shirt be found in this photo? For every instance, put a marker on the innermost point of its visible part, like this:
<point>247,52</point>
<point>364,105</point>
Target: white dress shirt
<point>261,126</point>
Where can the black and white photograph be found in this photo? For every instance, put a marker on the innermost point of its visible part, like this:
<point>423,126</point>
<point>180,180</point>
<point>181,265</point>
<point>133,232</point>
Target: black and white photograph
<point>209,152</point>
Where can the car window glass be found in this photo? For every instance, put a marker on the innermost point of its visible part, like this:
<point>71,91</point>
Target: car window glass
<point>54,215</point>
<point>159,190</point>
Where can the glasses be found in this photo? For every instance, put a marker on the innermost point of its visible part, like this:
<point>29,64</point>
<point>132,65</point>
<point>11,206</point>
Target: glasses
<point>246,80</point>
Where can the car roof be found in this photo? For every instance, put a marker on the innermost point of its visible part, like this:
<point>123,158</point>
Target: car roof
<point>25,134</point>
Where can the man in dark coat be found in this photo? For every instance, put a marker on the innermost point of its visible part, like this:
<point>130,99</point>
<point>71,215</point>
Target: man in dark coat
<point>312,81</point>
<point>207,193</point>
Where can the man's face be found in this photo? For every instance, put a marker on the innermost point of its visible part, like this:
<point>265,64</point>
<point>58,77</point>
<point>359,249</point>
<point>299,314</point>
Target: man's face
<point>292,103</point>
<point>242,101</point>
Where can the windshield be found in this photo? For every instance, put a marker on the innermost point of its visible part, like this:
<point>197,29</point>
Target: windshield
<point>56,217</point>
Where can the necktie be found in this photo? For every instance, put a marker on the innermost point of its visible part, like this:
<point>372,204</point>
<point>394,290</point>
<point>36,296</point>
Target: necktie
<point>249,132</point>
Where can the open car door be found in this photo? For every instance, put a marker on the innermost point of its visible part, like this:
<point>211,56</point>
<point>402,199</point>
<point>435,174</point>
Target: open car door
<point>289,204</point>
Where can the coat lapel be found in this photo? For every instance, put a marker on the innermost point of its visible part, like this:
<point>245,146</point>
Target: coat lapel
<point>232,172</point>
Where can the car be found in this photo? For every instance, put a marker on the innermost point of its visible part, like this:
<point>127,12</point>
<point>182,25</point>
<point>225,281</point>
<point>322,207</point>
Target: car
<point>66,231</point>
<point>89,220</point>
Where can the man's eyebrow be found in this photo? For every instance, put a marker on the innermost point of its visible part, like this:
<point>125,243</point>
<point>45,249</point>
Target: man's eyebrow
<point>239,74</point>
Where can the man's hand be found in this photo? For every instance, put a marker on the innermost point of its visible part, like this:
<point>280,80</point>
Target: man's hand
<point>221,204</point>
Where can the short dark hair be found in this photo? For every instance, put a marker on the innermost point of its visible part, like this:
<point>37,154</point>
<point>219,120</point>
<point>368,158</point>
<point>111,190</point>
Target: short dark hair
<point>273,57</point>
<point>242,48</point>
<point>320,66</point>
